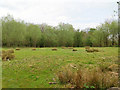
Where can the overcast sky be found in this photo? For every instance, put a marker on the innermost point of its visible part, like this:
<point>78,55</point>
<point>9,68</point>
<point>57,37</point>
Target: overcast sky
<point>80,13</point>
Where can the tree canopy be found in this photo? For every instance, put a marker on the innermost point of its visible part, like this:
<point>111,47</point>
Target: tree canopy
<point>17,33</point>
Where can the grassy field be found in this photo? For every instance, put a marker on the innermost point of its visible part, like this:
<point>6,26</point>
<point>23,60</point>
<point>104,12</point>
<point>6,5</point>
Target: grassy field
<point>35,69</point>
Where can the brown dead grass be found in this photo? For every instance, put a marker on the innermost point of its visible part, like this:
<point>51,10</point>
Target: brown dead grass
<point>10,51</point>
<point>95,50</point>
<point>74,49</point>
<point>70,47</point>
<point>8,55</point>
<point>33,49</point>
<point>91,77</point>
<point>89,50</point>
<point>92,50</point>
<point>87,47</point>
<point>54,49</point>
<point>17,48</point>
<point>63,47</point>
<point>113,67</point>
<point>3,51</point>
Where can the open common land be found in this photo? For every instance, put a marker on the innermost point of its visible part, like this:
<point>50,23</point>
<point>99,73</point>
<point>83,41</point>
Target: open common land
<point>39,68</point>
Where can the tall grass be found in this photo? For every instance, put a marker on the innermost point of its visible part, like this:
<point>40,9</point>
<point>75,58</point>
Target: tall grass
<point>97,77</point>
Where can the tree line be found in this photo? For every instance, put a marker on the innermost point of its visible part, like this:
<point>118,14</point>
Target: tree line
<point>17,33</point>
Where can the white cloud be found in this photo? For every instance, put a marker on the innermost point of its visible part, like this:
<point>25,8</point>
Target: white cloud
<point>79,13</point>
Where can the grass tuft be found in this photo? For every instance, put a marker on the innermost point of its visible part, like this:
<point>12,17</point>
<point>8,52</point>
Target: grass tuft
<point>54,49</point>
<point>93,77</point>
<point>17,48</point>
<point>8,55</point>
<point>74,49</point>
<point>33,49</point>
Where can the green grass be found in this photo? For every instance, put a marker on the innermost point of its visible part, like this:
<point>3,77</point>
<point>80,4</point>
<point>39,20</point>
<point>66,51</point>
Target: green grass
<point>35,69</point>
